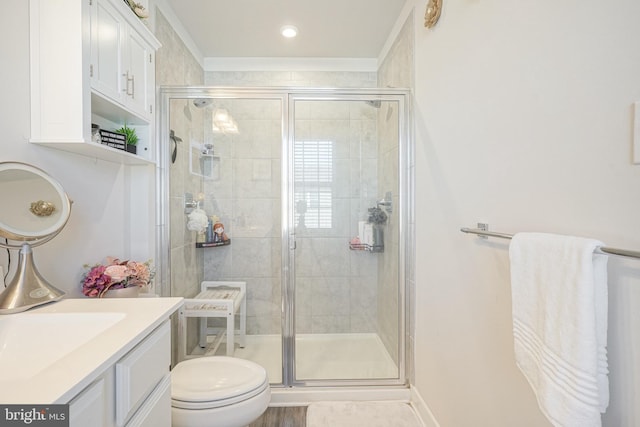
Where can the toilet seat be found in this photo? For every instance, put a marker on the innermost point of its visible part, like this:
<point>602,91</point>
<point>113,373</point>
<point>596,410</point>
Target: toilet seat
<point>213,382</point>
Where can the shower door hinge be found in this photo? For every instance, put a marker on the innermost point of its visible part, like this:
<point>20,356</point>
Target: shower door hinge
<point>91,70</point>
<point>292,241</point>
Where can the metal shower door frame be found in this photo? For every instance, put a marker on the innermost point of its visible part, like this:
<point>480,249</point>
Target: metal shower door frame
<point>405,179</point>
<point>287,97</point>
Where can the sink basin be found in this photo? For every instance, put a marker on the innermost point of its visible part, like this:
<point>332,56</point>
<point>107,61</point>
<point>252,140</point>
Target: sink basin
<point>31,342</point>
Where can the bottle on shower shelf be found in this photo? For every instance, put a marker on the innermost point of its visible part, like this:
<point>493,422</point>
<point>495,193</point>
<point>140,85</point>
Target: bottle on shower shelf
<point>210,231</point>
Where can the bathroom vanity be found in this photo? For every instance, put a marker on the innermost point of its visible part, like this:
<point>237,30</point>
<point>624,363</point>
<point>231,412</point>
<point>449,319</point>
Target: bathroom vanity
<point>109,359</point>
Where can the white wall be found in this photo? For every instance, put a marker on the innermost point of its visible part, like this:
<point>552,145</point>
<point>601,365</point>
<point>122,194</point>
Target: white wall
<point>523,120</point>
<point>96,228</point>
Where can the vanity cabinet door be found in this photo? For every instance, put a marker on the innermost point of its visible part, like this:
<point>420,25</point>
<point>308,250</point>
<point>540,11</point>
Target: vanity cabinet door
<point>133,392</point>
<point>140,371</point>
<point>107,30</point>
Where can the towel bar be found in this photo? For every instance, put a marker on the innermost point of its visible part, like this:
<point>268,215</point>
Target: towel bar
<point>601,249</point>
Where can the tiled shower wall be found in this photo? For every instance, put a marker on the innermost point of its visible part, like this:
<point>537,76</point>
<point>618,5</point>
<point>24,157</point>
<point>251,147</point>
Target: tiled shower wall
<point>175,65</point>
<point>336,287</point>
<point>245,197</point>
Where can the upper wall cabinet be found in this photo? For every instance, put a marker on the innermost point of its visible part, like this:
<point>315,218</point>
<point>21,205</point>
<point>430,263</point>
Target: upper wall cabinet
<point>92,61</point>
<point>120,59</point>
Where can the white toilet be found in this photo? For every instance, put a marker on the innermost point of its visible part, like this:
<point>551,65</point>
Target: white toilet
<point>218,391</point>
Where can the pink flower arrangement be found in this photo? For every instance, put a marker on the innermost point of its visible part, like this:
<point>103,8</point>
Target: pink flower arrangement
<point>115,274</point>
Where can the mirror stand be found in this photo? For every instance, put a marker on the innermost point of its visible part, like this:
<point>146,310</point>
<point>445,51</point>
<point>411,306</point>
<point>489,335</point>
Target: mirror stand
<point>35,208</point>
<point>28,288</point>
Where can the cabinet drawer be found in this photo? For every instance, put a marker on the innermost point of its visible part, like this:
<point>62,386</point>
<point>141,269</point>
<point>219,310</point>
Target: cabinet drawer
<point>156,411</point>
<point>88,408</point>
<point>139,372</point>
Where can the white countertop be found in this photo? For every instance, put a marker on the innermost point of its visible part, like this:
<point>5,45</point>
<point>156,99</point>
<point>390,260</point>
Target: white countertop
<point>68,375</point>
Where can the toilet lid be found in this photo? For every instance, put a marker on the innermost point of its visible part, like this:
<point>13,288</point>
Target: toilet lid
<point>216,378</point>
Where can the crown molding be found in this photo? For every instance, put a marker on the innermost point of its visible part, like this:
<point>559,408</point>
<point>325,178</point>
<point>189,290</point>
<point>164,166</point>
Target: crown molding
<point>290,64</point>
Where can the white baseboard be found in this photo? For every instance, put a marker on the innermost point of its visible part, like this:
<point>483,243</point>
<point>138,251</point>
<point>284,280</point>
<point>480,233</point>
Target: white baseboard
<point>421,408</point>
<point>300,397</point>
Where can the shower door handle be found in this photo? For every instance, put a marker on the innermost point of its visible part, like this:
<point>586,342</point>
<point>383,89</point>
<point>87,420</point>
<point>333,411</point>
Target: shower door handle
<point>292,241</point>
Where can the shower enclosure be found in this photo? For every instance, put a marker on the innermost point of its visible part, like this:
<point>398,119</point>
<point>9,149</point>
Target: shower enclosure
<point>311,186</point>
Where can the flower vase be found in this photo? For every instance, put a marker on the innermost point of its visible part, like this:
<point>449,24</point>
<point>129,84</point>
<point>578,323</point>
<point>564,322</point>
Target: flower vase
<point>130,292</point>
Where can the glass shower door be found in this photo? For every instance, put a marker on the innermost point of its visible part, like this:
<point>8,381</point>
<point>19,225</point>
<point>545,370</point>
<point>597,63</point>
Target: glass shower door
<point>234,173</point>
<point>345,222</point>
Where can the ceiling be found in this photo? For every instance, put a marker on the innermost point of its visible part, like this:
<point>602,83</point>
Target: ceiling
<point>251,28</point>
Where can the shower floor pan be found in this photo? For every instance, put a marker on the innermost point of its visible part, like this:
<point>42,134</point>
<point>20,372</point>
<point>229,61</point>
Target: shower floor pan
<point>321,356</point>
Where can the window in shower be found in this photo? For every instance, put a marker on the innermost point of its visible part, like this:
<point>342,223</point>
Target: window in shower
<point>313,171</point>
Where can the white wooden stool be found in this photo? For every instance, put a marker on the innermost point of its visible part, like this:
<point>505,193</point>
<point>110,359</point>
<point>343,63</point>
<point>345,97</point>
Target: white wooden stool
<point>216,299</point>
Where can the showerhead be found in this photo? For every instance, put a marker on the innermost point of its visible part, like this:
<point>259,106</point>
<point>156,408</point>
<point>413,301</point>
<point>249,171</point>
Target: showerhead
<point>202,102</point>
<point>375,103</point>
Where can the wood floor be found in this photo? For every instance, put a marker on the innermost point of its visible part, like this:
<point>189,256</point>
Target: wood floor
<point>293,416</point>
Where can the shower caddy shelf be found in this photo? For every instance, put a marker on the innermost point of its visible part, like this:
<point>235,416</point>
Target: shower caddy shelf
<point>213,244</point>
<point>365,247</point>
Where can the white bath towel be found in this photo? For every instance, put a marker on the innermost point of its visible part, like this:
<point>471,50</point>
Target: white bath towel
<point>559,295</point>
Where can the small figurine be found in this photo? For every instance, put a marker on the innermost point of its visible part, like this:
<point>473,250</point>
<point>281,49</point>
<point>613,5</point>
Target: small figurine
<point>219,235</point>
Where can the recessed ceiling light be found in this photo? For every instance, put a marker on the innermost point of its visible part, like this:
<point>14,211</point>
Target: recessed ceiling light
<point>289,31</point>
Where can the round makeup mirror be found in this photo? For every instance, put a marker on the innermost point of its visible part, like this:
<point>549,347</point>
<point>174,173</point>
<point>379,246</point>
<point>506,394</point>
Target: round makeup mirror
<point>35,209</point>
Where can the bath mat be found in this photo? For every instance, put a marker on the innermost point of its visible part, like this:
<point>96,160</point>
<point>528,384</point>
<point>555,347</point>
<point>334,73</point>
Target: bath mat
<point>361,414</point>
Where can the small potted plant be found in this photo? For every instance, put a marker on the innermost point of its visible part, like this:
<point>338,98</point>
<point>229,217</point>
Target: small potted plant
<point>131,138</point>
